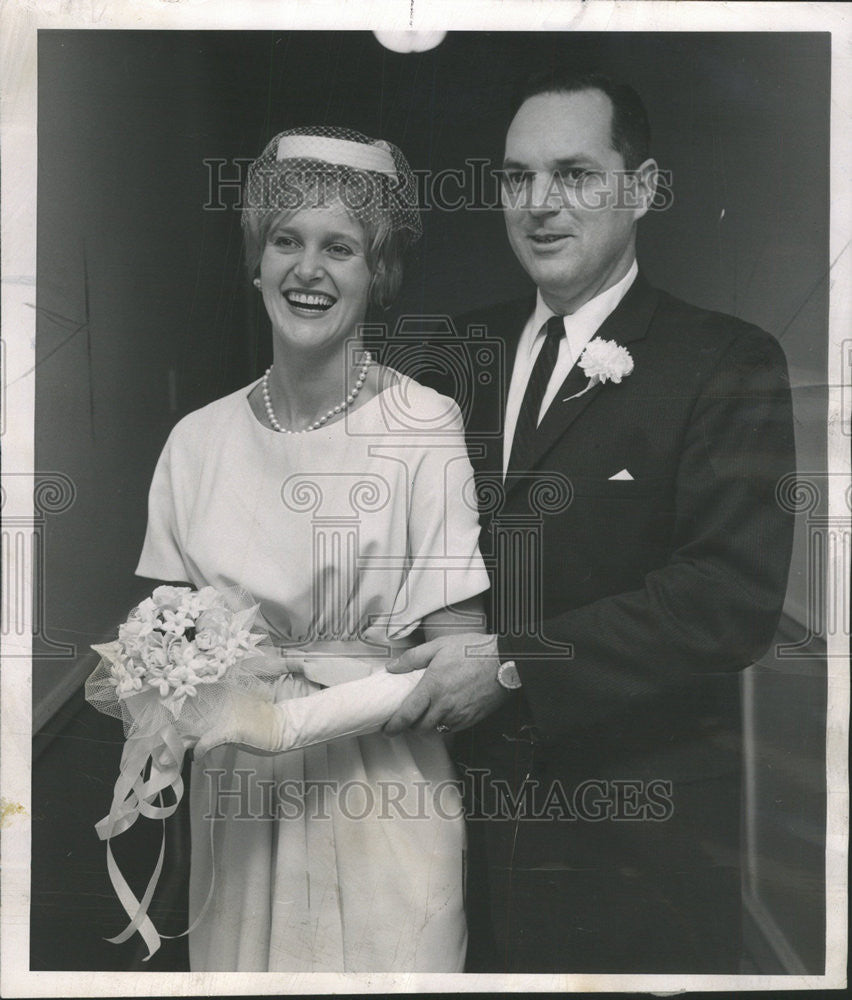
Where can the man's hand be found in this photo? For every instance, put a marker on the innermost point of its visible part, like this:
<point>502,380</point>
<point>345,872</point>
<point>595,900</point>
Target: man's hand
<point>459,685</point>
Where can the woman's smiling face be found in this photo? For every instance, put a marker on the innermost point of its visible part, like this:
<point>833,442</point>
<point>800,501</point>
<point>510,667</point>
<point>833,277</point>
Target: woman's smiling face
<point>314,276</point>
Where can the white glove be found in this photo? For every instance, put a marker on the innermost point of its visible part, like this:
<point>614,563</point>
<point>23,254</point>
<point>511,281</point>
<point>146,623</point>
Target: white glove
<point>351,709</point>
<point>254,724</point>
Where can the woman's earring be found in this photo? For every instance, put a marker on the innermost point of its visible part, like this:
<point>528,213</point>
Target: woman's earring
<point>256,282</point>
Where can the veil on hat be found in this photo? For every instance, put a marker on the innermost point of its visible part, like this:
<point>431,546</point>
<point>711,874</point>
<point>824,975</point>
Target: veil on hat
<point>370,176</point>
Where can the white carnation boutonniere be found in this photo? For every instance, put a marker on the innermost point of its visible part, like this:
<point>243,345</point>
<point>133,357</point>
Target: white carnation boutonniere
<point>603,361</point>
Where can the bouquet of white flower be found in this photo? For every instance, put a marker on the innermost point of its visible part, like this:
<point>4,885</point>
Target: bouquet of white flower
<point>172,643</point>
<point>165,676</point>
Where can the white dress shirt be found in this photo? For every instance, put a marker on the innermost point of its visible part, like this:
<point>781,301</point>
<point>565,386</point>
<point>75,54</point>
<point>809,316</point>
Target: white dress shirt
<point>580,327</point>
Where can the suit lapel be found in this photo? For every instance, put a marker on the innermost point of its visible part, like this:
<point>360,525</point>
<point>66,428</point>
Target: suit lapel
<point>626,323</point>
<point>487,416</point>
<point>516,320</point>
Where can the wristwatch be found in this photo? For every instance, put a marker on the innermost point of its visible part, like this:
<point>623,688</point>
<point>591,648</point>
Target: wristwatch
<point>508,676</point>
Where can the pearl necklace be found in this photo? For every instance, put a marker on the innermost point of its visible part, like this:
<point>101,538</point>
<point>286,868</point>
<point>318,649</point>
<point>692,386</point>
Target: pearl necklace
<point>344,404</point>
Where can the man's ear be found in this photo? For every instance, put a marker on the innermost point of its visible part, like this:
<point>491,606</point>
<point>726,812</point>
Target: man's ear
<point>644,188</point>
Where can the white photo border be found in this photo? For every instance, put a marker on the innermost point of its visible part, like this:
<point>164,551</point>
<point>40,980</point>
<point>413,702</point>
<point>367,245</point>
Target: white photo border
<point>21,19</point>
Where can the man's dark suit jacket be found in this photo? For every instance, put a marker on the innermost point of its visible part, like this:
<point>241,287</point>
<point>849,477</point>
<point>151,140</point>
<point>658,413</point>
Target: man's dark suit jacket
<point>664,586</point>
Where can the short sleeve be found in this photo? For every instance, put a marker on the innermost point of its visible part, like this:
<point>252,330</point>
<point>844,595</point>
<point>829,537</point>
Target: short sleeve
<point>445,565</point>
<point>162,557</point>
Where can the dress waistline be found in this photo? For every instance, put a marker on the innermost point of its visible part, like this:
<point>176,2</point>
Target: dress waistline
<point>336,661</point>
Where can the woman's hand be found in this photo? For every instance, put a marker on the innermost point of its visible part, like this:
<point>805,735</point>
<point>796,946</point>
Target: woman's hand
<point>252,723</point>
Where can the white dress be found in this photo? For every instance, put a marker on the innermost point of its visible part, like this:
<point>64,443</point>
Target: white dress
<point>346,856</point>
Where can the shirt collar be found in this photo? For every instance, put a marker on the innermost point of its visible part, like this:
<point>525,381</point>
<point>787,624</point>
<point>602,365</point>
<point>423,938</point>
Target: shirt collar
<point>590,315</point>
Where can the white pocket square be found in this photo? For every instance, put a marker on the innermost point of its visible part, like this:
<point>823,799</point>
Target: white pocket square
<point>624,474</point>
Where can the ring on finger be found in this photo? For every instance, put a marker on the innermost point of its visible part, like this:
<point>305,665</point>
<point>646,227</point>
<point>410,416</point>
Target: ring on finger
<point>441,728</point>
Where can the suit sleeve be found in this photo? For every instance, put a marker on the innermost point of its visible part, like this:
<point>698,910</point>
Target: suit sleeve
<point>714,606</point>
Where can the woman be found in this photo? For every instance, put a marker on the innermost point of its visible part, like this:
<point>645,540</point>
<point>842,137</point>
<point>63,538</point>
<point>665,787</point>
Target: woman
<point>321,489</point>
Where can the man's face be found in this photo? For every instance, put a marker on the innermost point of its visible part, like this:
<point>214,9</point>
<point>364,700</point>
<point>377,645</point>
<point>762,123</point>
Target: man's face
<point>570,208</point>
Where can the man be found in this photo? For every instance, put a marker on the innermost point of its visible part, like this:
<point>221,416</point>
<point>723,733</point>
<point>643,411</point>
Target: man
<point>639,562</point>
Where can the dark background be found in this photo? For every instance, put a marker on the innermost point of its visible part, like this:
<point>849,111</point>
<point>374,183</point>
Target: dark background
<point>145,313</point>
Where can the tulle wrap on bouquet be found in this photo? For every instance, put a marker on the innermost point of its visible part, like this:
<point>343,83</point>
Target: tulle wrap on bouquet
<point>166,677</point>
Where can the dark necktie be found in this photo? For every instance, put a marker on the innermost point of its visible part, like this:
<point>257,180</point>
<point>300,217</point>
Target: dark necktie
<point>525,431</point>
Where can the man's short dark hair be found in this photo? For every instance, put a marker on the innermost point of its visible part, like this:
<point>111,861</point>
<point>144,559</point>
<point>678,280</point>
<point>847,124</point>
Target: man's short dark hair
<point>631,131</point>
